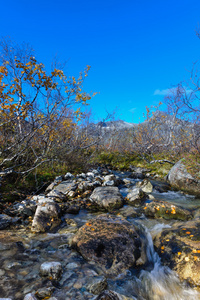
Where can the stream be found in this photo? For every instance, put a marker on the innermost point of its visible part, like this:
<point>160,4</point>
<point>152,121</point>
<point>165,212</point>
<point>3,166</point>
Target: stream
<point>22,253</point>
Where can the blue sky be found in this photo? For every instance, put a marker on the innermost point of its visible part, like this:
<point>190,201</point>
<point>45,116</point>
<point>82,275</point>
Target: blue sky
<point>137,49</point>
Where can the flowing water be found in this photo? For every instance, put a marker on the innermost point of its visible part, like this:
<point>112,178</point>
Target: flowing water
<point>22,253</point>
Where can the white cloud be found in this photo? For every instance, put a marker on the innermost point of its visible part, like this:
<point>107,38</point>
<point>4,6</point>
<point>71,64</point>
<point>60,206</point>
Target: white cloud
<point>162,92</point>
<point>132,110</point>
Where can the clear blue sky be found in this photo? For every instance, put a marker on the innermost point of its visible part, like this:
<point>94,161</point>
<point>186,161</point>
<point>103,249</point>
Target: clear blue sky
<point>136,48</point>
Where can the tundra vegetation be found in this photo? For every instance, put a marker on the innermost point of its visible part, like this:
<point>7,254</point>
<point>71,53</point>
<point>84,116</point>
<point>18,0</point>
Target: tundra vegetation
<point>45,129</point>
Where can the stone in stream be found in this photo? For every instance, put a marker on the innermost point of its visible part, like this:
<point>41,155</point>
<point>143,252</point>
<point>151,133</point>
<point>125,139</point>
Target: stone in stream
<point>136,197</point>
<point>111,242</point>
<point>145,186</point>
<point>106,198</point>
<point>166,210</point>
<point>52,270</point>
<point>179,249</point>
<point>46,216</point>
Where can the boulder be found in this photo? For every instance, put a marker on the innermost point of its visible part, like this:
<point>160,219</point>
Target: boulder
<point>179,178</point>
<point>179,249</point>
<point>46,216</point>
<point>136,197</point>
<point>165,210</point>
<point>52,270</point>
<point>111,242</point>
<point>106,198</point>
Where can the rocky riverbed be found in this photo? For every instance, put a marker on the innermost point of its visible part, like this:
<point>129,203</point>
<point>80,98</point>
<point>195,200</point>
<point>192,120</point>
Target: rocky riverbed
<point>101,235</point>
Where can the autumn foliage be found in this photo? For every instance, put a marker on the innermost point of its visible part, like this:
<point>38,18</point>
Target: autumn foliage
<point>40,111</point>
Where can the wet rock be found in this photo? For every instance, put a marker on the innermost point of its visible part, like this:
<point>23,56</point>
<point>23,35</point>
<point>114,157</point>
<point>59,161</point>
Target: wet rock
<point>136,197</point>
<point>128,211</point>
<point>179,178</point>
<point>110,295</point>
<point>111,242</point>
<point>72,209</point>
<point>30,296</point>
<point>52,270</point>
<point>97,285</point>
<point>145,186</point>
<point>44,292</point>
<point>161,187</point>
<point>179,248</point>
<point>46,216</point>
<point>106,198</point>
<point>163,209</point>
<point>6,221</point>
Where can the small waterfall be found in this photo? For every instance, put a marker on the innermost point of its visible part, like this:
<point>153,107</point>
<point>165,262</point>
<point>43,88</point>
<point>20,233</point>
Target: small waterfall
<point>156,282</point>
<point>161,283</point>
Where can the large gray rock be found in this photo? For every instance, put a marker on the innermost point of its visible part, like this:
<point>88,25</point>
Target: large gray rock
<point>107,198</point>
<point>179,178</point>
<point>111,242</point>
<point>46,216</point>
